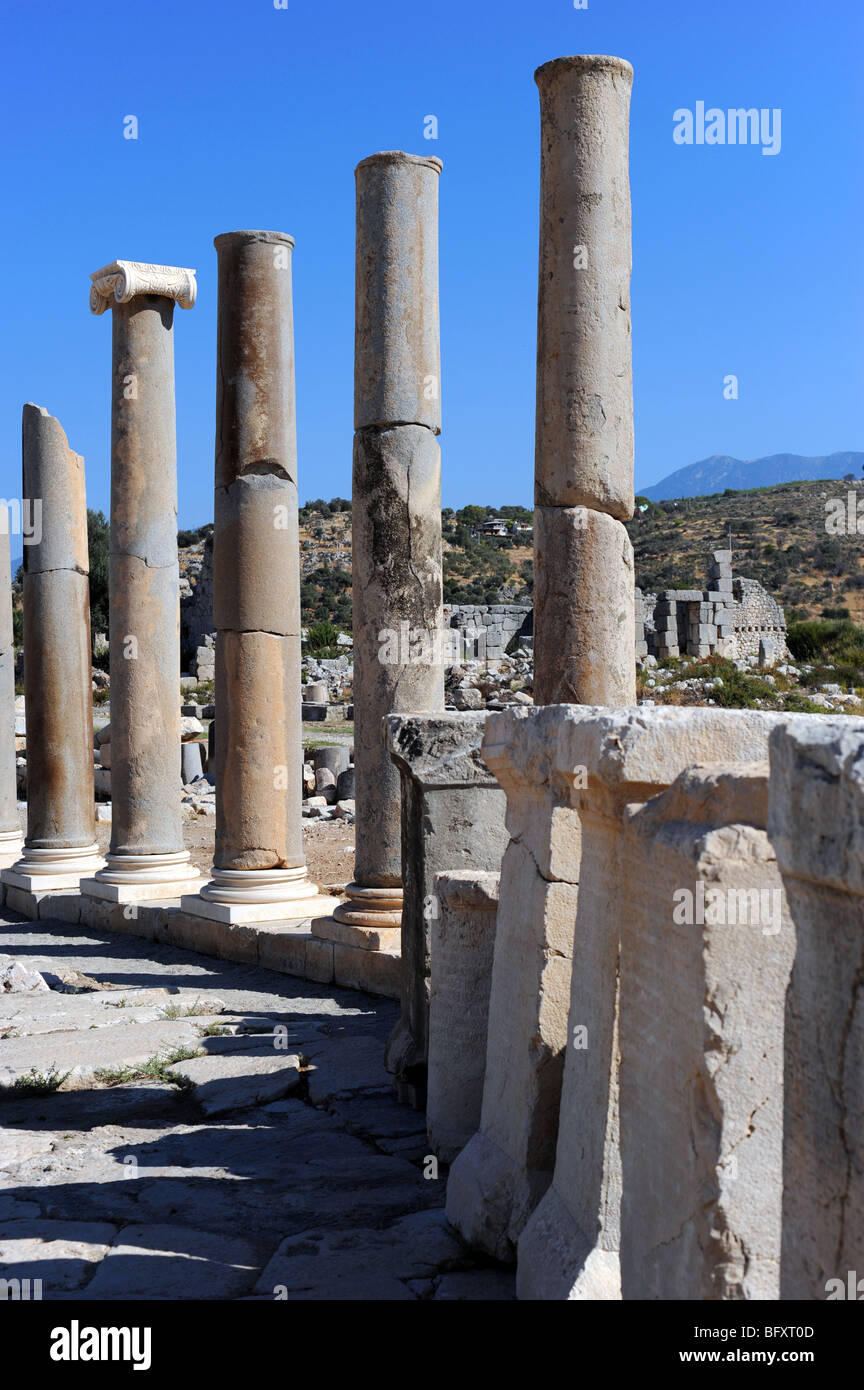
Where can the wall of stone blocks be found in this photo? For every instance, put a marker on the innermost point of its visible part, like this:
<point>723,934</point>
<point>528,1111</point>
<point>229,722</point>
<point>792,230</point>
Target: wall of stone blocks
<point>484,631</point>
<point>710,1141</point>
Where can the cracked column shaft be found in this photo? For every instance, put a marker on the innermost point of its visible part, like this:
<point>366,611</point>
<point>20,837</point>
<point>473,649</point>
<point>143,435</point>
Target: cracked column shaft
<point>584,624</point>
<point>146,857</point>
<point>259,870</point>
<point>60,847</point>
<point>396,507</point>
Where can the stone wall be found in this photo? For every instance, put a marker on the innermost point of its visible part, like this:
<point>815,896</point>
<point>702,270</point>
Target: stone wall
<point>485,630</point>
<point>735,618</point>
<point>690,1128</point>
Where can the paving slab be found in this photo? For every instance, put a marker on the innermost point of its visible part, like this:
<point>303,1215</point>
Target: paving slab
<point>81,1055</point>
<point>63,1254</point>
<point>23,1015</point>
<point>174,1261</point>
<point>362,1264</point>
<point>342,1066</point>
<point>227,1083</point>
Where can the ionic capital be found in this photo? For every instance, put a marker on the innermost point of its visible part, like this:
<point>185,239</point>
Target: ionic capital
<point>122,280</point>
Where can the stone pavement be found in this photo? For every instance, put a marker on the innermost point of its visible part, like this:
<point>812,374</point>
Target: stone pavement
<point>220,1132</point>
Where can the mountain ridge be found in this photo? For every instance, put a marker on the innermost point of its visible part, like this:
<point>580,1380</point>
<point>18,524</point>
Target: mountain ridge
<point>721,471</point>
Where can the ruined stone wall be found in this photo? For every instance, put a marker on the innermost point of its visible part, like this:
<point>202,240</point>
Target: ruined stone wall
<point>735,618</point>
<point>485,630</point>
<point>757,618</point>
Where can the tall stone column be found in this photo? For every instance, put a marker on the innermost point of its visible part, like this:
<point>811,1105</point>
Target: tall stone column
<point>10,827</point>
<point>259,870</point>
<point>396,511</point>
<point>146,858</point>
<point>60,847</point>
<point>583,561</point>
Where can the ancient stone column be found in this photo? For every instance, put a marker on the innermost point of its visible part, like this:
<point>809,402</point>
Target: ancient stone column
<point>452,818</point>
<point>816,824</point>
<point>146,858</point>
<point>60,846</point>
<point>583,561</point>
<point>396,510</point>
<point>259,869</point>
<point>10,826</point>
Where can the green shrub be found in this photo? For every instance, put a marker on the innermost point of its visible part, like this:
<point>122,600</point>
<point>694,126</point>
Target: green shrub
<point>320,636</point>
<point>835,640</point>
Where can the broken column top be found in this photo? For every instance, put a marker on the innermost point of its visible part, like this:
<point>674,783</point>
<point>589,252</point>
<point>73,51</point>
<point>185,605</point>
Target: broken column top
<point>400,157</point>
<point>53,478</point>
<point>583,62</point>
<point>122,280</point>
<point>440,748</point>
<point>238,238</point>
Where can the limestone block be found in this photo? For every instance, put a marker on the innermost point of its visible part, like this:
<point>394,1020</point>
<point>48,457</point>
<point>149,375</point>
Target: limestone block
<point>452,819</point>
<point>345,785</point>
<point>701,1040</point>
<point>397,367</point>
<point>584,444</point>
<point>584,609</point>
<point>816,822</point>
<point>570,774</point>
<point>462,946</point>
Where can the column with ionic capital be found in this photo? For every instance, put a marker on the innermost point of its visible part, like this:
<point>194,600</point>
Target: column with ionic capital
<point>259,869</point>
<point>396,509</point>
<point>10,826</point>
<point>584,620</point>
<point>60,846</point>
<point>146,858</point>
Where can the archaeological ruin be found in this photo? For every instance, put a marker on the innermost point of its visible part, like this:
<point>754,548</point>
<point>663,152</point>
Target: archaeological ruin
<point>621,946</point>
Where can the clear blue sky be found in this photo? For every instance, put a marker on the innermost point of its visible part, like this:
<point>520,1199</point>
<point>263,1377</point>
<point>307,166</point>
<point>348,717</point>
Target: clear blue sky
<point>251,116</point>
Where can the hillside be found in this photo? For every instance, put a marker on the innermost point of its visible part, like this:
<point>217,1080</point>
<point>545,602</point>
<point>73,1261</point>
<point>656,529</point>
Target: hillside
<point>778,537</point>
<point>721,471</point>
<point>778,534</point>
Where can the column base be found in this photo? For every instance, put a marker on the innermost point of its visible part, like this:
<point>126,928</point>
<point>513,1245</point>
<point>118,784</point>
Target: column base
<point>47,870</point>
<point>239,896</point>
<point>558,1263</point>
<point>371,907</point>
<point>11,848</point>
<point>130,878</point>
